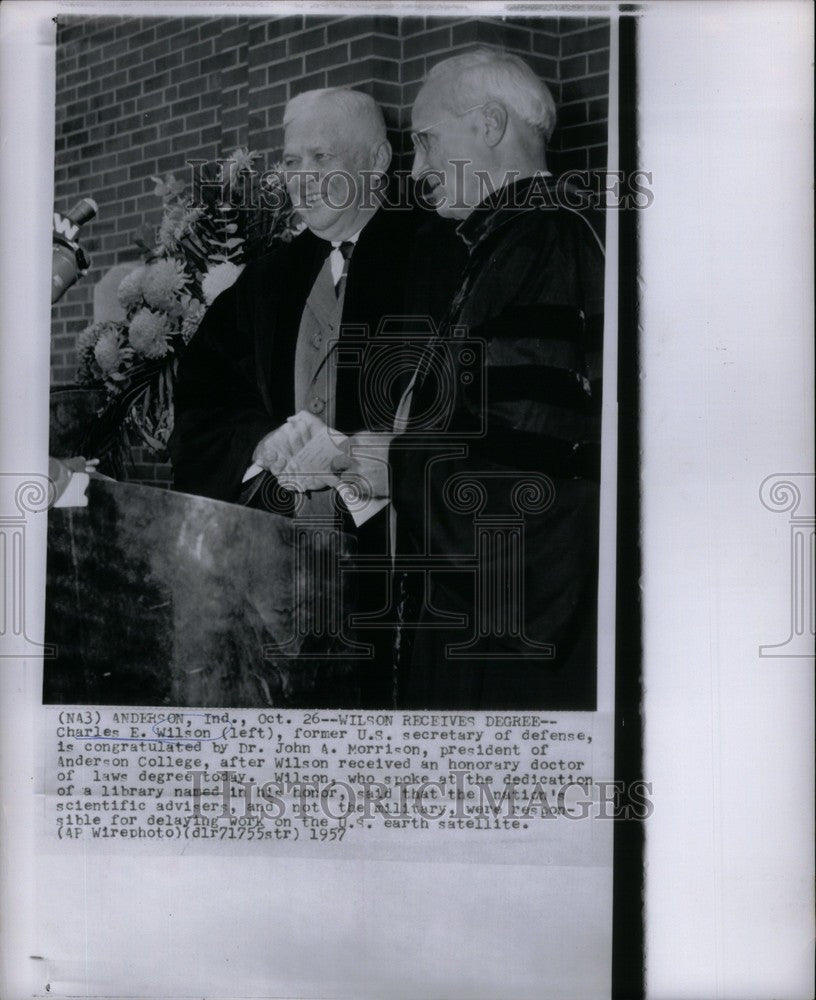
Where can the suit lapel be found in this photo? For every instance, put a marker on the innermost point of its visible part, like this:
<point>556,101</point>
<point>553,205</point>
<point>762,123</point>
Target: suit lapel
<point>372,292</point>
<point>281,287</point>
<point>373,276</point>
<point>282,283</point>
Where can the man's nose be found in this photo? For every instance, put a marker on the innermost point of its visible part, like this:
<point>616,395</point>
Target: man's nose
<point>295,185</point>
<point>308,181</point>
<point>420,164</point>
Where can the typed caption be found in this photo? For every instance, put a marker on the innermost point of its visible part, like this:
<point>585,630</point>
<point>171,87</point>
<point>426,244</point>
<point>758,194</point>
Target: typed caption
<point>278,777</point>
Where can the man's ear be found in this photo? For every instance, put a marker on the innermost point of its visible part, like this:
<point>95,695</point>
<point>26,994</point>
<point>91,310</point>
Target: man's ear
<point>382,156</point>
<point>494,117</point>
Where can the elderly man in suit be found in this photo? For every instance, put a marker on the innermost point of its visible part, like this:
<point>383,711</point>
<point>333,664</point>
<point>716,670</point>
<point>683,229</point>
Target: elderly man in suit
<point>265,370</point>
<point>500,494</point>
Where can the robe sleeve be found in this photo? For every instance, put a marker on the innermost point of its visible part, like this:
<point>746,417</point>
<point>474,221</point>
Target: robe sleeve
<point>540,394</point>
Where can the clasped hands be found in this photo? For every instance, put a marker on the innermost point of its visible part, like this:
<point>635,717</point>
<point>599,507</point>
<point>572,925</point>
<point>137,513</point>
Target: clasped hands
<point>360,460</point>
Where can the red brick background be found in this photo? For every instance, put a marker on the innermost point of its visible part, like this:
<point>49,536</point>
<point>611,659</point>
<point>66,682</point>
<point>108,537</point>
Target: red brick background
<point>137,97</point>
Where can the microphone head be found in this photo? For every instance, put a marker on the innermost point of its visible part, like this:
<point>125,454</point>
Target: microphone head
<point>84,210</point>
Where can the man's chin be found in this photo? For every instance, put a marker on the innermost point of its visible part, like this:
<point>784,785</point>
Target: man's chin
<point>447,211</point>
<point>438,201</point>
<point>313,212</point>
<point>439,204</point>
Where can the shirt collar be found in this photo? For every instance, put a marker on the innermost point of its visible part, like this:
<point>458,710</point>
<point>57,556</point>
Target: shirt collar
<point>500,206</point>
<point>349,239</point>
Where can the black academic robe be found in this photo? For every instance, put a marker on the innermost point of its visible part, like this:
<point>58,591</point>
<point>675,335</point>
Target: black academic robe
<point>498,489</point>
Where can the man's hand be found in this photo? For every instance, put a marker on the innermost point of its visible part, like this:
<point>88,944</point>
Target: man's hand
<point>311,468</point>
<point>364,464</point>
<point>282,444</point>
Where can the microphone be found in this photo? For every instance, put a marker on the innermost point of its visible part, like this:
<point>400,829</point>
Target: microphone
<point>69,261</point>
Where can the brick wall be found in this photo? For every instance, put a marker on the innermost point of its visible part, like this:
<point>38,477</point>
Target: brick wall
<point>138,97</point>
<point>583,94</point>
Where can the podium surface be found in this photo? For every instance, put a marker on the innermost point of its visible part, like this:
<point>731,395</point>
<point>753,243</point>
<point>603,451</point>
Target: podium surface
<point>161,598</point>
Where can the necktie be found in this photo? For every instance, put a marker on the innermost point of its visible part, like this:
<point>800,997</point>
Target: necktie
<point>345,249</point>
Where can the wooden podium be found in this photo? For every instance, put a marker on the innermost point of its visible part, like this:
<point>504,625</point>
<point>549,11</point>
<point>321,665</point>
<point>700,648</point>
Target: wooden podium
<point>160,598</point>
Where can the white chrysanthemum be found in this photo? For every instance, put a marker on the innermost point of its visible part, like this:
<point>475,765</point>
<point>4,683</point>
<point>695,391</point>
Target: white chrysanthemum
<point>192,320</point>
<point>164,283</point>
<point>218,279</point>
<point>243,158</point>
<point>167,238</point>
<point>177,222</point>
<point>170,187</point>
<point>240,159</point>
<point>131,290</point>
<point>110,350</point>
<point>149,333</point>
<point>89,336</point>
<point>189,218</point>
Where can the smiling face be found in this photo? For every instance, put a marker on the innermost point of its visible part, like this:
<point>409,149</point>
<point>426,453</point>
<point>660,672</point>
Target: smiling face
<point>325,171</point>
<point>448,149</point>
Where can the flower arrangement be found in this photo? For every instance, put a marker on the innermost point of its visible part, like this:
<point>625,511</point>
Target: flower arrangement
<point>201,245</point>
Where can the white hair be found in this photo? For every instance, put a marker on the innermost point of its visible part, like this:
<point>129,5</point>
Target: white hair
<point>354,104</point>
<point>486,74</point>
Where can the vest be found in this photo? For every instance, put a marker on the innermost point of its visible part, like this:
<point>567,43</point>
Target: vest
<point>316,371</point>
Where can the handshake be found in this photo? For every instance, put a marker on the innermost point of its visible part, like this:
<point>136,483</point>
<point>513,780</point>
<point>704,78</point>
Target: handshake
<point>305,455</point>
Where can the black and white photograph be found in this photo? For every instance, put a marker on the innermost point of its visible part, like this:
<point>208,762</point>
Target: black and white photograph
<point>328,335</point>
<point>406,500</point>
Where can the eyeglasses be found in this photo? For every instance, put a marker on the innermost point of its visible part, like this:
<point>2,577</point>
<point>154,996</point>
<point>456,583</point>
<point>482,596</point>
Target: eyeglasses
<point>420,137</point>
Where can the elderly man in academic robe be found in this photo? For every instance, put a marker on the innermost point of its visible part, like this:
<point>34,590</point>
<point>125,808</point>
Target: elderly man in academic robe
<point>266,369</point>
<point>498,490</point>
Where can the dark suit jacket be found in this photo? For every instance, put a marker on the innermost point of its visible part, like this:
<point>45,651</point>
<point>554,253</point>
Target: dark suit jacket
<point>236,379</point>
